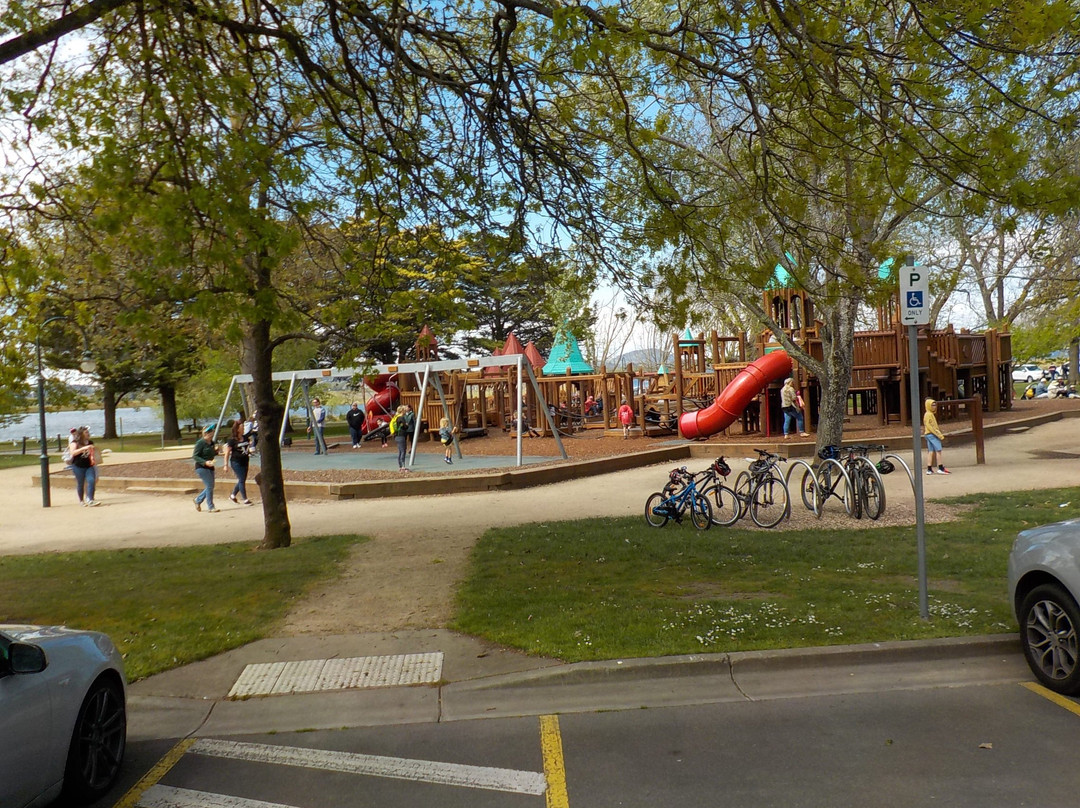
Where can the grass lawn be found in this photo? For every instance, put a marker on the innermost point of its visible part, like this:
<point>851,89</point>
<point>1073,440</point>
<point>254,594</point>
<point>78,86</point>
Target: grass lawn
<point>169,606</point>
<point>611,588</point>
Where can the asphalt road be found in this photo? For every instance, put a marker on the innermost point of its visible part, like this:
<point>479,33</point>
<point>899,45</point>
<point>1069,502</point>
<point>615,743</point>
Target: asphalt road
<point>969,746</point>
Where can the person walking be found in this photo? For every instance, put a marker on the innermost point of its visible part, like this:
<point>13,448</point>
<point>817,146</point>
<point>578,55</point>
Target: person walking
<point>355,419</point>
<point>83,465</point>
<point>446,437</point>
<point>934,436</point>
<point>400,432</point>
<point>317,424</point>
<point>237,457</point>
<point>626,418</point>
<point>204,454</point>
<point>791,404</point>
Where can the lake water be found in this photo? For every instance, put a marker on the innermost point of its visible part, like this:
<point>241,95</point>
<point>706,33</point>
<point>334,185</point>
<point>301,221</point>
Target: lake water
<point>129,421</point>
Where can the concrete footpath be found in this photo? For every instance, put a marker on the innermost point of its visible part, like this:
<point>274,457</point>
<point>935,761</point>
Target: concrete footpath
<point>467,678</point>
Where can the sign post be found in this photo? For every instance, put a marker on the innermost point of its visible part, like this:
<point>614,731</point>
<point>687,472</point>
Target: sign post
<point>915,311</point>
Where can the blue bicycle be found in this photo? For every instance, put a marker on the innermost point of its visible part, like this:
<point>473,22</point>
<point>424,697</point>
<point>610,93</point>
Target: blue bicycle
<point>662,507</point>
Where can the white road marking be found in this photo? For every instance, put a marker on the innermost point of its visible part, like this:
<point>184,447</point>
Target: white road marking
<point>315,675</point>
<point>424,771</point>
<point>160,796</point>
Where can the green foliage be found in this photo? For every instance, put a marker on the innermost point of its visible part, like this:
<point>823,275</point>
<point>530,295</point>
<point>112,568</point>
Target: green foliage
<point>200,395</point>
<point>169,606</point>
<point>612,588</point>
<point>529,295</point>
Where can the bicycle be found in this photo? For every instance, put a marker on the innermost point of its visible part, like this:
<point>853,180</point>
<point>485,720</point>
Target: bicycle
<point>661,507</point>
<point>866,480</point>
<point>727,508</point>
<point>762,491</point>
<point>822,482</point>
<point>864,490</point>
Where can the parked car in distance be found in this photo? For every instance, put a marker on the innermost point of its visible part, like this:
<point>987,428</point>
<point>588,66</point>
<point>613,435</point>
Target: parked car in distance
<point>63,715</point>
<point>1026,373</point>
<point>1044,586</point>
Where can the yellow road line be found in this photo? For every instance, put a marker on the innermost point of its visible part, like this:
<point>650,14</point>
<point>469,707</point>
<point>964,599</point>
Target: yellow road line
<point>1057,698</point>
<point>160,769</point>
<point>554,767</point>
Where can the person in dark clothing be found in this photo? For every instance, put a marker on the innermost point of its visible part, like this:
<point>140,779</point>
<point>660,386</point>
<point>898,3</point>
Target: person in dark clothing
<point>355,419</point>
<point>237,455</point>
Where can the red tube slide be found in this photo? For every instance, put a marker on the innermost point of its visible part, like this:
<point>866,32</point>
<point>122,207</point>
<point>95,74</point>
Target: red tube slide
<point>731,402</point>
<point>381,405</point>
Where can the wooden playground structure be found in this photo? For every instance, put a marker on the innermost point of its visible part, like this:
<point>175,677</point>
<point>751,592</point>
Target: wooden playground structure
<point>519,392</point>
<point>953,365</point>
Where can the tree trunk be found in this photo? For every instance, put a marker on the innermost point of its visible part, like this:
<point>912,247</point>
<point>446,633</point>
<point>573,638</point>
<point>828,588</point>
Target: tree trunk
<point>277,532</point>
<point>108,404</point>
<point>170,424</point>
<point>837,334</point>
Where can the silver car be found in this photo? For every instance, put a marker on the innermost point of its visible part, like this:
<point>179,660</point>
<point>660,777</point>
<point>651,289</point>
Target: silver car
<point>1044,583</point>
<point>63,715</point>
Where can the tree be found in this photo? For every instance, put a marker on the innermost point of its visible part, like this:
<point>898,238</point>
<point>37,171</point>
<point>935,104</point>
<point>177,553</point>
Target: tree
<point>721,138</point>
<point>509,293</point>
<point>814,137</point>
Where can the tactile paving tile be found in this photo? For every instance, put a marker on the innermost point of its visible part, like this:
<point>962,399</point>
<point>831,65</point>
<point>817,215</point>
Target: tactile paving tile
<point>316,675</point>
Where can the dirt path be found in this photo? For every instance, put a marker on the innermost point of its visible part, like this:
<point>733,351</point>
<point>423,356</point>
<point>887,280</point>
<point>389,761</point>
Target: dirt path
<point>405,577</point>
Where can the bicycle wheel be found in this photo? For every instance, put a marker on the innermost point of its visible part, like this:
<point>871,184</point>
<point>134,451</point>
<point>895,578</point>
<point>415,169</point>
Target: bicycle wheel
<point>855,489</point>
<point>831,476</point>
<point>700,511</point>
<point>871,489</point>
<point>656,510</point>
<point>769,503</point>
<point>726,508</point>
<point>744,486</point>
<point>809,488</point>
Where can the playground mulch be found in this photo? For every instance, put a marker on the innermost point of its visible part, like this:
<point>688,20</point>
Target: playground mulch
<point>587,445</point>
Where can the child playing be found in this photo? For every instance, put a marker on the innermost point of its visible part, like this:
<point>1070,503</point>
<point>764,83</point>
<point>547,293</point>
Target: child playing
<point>446,435</point>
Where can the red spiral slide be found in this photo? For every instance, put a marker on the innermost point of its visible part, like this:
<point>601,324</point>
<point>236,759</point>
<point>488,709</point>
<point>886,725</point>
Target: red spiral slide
<point>380,406</point>
<point>731,402</point>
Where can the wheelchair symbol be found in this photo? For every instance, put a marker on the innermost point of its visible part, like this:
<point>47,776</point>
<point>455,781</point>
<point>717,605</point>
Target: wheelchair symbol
<point>915,300</point>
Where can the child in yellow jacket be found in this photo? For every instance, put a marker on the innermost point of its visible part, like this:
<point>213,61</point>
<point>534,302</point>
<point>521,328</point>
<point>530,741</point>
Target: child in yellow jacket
<point>934,437</point>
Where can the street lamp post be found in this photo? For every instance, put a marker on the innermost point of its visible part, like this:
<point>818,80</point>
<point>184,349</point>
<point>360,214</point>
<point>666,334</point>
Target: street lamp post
<point>87,366</point>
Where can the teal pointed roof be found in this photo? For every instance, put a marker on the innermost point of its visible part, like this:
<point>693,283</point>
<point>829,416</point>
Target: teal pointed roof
<point>688,339</point>
<point>781,278</point>
<point>565,353</point>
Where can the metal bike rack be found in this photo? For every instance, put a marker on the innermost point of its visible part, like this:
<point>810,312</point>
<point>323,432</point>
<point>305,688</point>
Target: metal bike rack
<point>907,468</point>
<point>813,476</point>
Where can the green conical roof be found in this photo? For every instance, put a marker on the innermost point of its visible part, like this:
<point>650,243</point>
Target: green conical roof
<point>688,339</point>
<point>565,353</point>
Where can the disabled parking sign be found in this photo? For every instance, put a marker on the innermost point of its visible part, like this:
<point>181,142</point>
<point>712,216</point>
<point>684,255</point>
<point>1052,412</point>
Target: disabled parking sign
<point>914,295</point>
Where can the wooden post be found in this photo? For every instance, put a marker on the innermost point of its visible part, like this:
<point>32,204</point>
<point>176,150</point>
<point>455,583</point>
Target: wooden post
<point>678,383</point>
<point>975,411</point>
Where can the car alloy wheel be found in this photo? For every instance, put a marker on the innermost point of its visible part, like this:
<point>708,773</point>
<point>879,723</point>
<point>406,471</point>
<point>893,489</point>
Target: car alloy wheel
<point>97,743</point>
<point>1049,619</point>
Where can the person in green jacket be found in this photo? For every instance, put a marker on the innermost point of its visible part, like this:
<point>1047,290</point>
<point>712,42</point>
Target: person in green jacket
<point>204,455</point>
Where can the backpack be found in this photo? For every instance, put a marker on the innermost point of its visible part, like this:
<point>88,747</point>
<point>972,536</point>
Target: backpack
<point>395,424</point>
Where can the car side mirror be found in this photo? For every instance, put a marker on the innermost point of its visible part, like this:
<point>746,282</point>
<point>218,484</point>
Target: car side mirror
<point>26,658</point>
